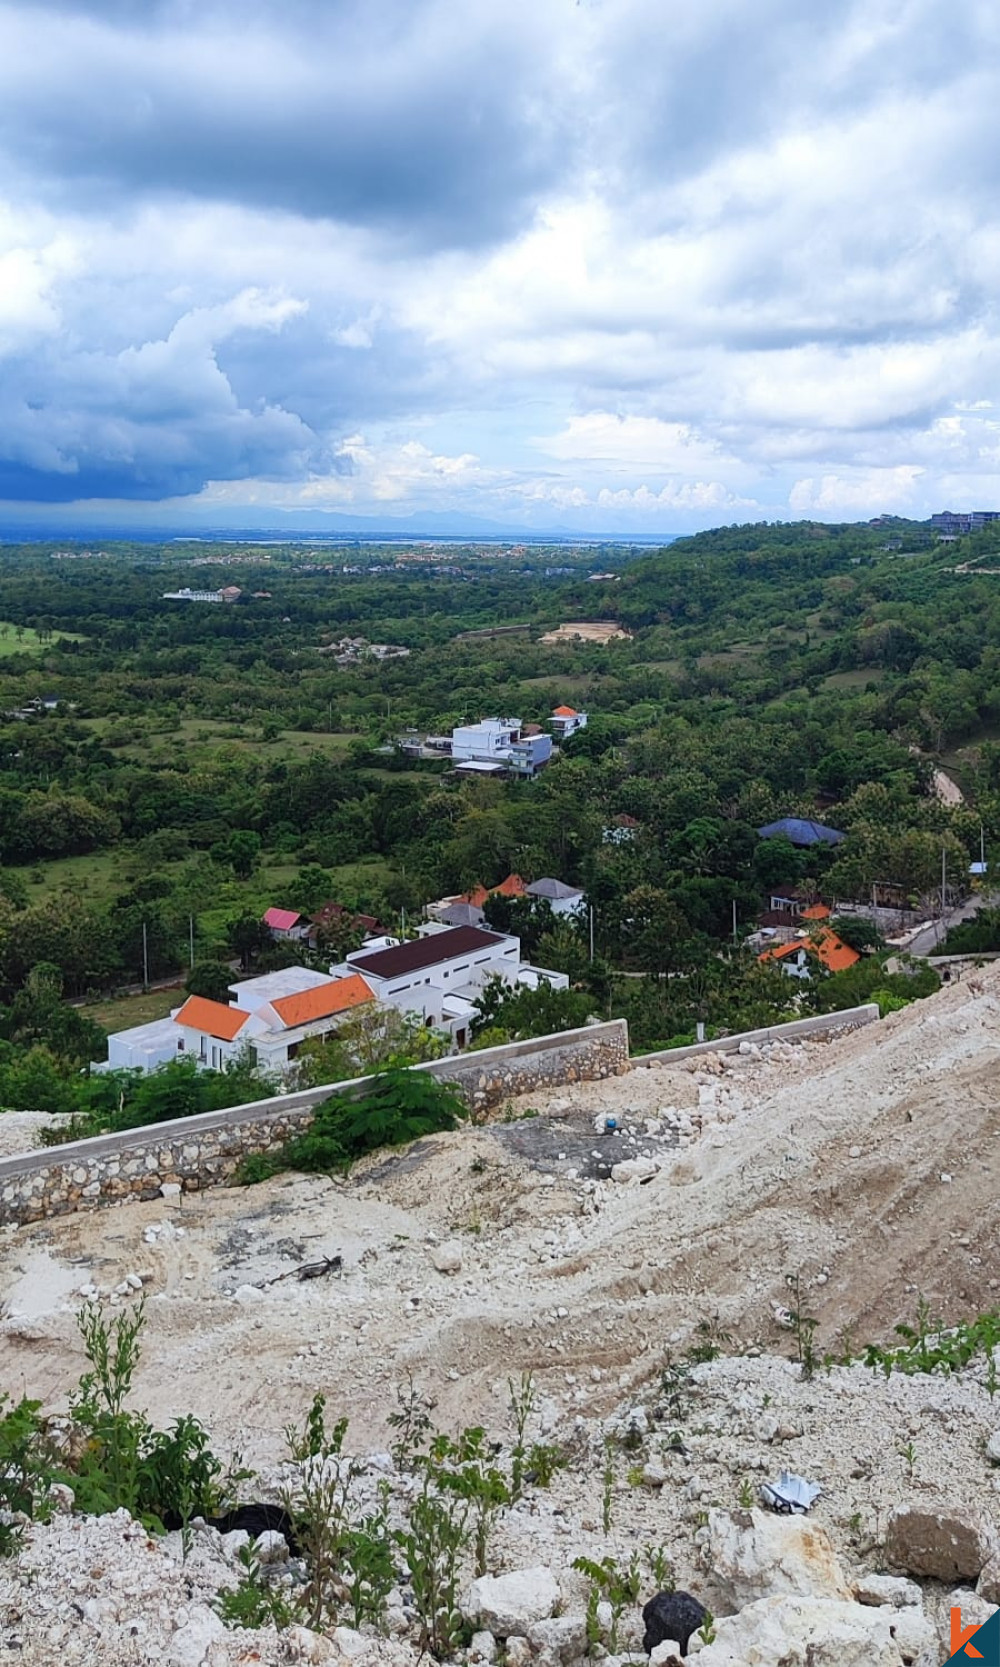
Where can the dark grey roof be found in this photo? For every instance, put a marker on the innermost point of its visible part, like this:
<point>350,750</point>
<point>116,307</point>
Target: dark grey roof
<point>426,952</point>
<point>800,831</point>
<point>553,889</point>
<point>461,914</point>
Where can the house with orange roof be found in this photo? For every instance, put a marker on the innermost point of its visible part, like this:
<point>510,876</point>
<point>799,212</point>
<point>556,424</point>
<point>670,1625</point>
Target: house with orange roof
<point>566,720</point>
<point>271,1016</point>
<point>801,957</point>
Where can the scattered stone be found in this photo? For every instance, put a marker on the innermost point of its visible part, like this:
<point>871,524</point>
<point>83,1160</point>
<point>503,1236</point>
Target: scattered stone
<point>483,1647</point>
<point>447,1257</point>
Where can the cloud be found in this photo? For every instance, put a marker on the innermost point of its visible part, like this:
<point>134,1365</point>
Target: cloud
<point>601,260</point>
<point>148,421</point>
<point>377,112</point>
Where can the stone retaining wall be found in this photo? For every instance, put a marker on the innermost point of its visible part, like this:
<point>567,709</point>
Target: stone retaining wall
<point>197,1152</point>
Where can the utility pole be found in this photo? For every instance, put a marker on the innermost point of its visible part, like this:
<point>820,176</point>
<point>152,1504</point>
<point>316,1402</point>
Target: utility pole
<point>145,958</point>
<point>591,911</point>
<point>944,887</point>
<point>191,937</point>
<point>735,932</point>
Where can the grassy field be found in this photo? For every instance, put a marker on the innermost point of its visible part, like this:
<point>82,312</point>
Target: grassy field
<point>200,737</point>
<point>126,1011</point>
<point>28,642</point>
<point>858,679</point>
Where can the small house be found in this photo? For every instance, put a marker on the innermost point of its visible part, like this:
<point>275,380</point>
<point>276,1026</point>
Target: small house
<point>566,720</point>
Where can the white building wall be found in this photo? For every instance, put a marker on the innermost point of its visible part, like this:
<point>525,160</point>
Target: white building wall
<point>488,741</point>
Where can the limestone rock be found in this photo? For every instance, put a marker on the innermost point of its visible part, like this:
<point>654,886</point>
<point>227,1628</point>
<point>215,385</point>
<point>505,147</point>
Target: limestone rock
<point>305,1645</point>
<point>634,1169</point>
<point>559,1642</point>
<point>271,1547</point>
<point>508,1604</point>
<point>447,1257</point>
<point>667,1654</point>
<point>191,1643</point>
<point>483,1647</point>
<point>944,1542</point>
<point>804,1632</point>
<point>912,1631</point>
<point>988,1584</point>
<point>878,1589</point>
<point>976,1609</point>
<point>518,1653</point>
<point>755,1555</point>
<point>350,1644</point>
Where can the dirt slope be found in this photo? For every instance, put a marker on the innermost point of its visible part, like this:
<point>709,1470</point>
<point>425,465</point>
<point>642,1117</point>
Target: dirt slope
<point>826,1158</point>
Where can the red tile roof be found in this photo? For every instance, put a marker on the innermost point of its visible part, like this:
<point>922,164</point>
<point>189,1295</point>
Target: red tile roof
<point>565,712</point>
<point>322,1002</point>
<point>212,1018</point>
<point>819,911</point>
<point>281,920</point>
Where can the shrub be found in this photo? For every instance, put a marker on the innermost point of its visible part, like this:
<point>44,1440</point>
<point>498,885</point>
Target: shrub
<point>397,1107</point>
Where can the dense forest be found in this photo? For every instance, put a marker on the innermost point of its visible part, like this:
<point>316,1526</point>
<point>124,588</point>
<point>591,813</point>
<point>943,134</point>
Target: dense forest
<point>168,769</point>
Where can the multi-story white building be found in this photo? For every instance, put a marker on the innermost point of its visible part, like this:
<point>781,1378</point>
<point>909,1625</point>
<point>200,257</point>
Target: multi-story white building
<point>440,974</point>
<point>487,742</point>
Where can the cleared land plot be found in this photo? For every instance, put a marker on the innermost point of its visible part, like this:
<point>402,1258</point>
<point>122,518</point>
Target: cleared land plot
<point>201,736</point>
<point>580,631</point>
<point>854,679</point>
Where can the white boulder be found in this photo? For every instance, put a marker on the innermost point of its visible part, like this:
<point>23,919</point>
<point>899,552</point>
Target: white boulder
<point>508,1604</point>
<point>754,1555</point>
<point>447,1257</point>
<point>804,1632</point>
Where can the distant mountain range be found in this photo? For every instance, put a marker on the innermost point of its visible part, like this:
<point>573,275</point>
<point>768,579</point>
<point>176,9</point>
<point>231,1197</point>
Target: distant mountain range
<point>303,524</point>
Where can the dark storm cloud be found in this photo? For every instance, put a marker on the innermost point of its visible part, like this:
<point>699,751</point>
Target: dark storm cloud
<point>427,119</point>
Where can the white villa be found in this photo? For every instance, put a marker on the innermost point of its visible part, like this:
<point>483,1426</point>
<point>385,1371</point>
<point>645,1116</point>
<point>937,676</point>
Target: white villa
<point>272,1015</point>
<point>441,973</point>
<point>437,976</point>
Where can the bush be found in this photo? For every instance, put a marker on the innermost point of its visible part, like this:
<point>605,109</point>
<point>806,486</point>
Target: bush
<point>397,1107</point>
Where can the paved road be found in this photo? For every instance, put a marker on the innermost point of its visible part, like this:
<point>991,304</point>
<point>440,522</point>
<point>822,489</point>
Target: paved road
<point>926,942</point>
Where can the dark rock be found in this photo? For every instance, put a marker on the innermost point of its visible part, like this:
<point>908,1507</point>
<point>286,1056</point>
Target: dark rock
<point>674,1615</point>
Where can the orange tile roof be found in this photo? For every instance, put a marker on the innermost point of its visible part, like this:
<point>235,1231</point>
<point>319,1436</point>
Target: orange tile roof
<point>834,954</point>
<point>819,911</point>
<point>339,996</point>
<point>513,886</point>
<point>213,1018</point>
<point>565,712</point>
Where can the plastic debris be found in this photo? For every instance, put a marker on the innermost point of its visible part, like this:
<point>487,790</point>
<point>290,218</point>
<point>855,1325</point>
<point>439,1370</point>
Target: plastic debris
<point>791,1495</point>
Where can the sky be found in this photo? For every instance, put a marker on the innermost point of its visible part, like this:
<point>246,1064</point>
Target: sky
<point>618,266</point>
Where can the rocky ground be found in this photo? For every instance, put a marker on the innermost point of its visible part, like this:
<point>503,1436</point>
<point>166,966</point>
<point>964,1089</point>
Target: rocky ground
<point>865,1166</point>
